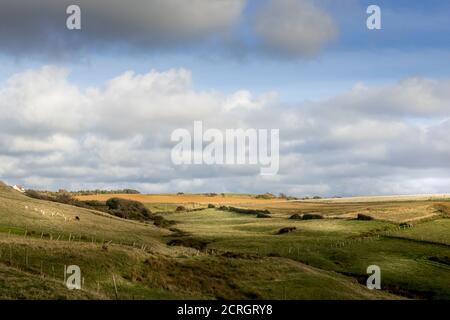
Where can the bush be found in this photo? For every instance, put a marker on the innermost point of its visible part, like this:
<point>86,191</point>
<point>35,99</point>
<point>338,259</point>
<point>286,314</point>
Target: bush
<point>33,194</point>
<point>211,206</point>
<point>296,217</point>
<point>180,208</point>
<point>262,215</point>
<point>65,198</point>
<point>131,191</point>
<point>405,225</point>
<point>443,259</point>
<point>38,195</point>
<point>190,243</point>
<point>128,209</point>
<point>162,223</point>
<point>286,230</point>
<point>97,205</point>
<point>311,216</point>
<point>246,211</point>
<point>265,196</point>
<point>364,217</point>
<point>442,209</point>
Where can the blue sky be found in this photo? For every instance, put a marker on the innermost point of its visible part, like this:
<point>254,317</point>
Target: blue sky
<point>344,97</point>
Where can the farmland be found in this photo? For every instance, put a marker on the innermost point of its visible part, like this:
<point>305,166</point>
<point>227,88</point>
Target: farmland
<point>183,198</point>
<point>213,252</point>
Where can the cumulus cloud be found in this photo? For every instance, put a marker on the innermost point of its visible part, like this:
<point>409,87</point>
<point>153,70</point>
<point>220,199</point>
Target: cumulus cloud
<point>244,100</point>
<point>42,102</point>
<point>117,133</point>
<point>55,134</point>
<point>295,28</point>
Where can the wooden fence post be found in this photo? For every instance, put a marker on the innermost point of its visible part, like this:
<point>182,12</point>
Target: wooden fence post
<point>115,287</point>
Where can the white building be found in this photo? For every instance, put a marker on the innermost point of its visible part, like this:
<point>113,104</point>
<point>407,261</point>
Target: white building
<point>19,188</point>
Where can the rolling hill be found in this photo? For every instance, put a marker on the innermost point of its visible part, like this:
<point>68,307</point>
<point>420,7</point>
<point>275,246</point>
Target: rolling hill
<point>208,254</point>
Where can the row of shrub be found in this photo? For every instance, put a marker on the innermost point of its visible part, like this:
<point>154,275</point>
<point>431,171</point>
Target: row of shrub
<point>266,196</point>
<point>286,197</point>
<point>122,208</point>
<point>269,196</point>
<point>312,216</point>
<point>184,209</point>
<point>208,194</point>
<point>64,198</point>
<point>93,192</point>
<point>244,210</point>
<point>306,216</point>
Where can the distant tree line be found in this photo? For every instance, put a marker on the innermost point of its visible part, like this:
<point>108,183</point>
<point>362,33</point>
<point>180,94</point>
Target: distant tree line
<point>92,192</point>
<point>269,196</point>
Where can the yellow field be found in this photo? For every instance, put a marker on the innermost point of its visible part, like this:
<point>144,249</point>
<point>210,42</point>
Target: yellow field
<point>416,197</point>
<point>185,198</point>
<point>396,209</point>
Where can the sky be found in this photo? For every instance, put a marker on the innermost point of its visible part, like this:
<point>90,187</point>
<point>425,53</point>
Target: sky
<point>360,112</point>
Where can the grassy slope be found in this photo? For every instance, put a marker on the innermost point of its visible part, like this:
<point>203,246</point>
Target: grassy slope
<point>437,231</point>
<point>20,213</point>
<point>396,211</point>
<point>35,247</point>
<point>344,246</point>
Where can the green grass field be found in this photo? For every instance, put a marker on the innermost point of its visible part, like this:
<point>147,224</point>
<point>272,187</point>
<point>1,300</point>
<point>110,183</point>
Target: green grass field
<point>221,254</point>
<point>343,246</point>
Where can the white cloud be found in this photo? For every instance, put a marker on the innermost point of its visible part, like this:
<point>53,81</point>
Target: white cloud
<point>42,100</point>
<point>52,143</point>
<point>243,99</point>
<point>55,134</point>
<point>412,97</point>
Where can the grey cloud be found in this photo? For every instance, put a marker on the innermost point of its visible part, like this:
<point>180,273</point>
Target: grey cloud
<point>294,28</point>
<point>39,27</point>
<point>287,28</point>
